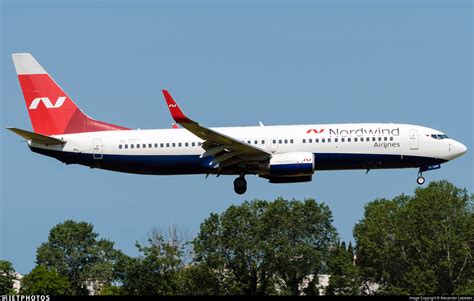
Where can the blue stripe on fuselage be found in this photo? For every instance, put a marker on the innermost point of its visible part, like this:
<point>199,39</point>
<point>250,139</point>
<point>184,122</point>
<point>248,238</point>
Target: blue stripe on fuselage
<point>193,164</point>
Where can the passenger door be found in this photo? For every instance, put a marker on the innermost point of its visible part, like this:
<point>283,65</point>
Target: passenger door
<point>413,136</point>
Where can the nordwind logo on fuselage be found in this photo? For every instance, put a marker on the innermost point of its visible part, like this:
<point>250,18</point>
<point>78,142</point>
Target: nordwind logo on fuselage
<point>316,131</point>
<point>363,131</point>
<point>47,103</point>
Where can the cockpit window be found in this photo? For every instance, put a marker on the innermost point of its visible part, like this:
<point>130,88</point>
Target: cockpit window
<point>439,136</point>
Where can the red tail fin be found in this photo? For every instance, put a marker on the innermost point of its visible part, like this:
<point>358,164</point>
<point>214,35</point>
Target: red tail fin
<point>51,110</point>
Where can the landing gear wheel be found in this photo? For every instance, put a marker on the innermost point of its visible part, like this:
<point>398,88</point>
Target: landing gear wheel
<point>420,180</point>
<point>240,185</point>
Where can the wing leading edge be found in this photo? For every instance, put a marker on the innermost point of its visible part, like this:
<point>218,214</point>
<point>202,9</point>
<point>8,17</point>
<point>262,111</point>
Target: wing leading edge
<point>226,150</point>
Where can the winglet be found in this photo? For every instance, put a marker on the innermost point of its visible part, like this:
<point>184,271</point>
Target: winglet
<point>175,111</point>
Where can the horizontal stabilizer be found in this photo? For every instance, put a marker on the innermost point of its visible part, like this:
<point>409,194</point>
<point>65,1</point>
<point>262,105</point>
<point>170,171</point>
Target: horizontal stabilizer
<point>37,138</point>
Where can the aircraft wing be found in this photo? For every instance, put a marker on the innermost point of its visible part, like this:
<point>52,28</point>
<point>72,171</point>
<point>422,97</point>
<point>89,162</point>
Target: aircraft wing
<point>216,144</point>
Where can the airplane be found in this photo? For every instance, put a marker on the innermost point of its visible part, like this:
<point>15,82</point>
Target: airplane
<point>279,153</point>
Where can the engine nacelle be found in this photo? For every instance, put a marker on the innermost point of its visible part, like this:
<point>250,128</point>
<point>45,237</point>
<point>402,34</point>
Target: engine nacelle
<point>294,164</point>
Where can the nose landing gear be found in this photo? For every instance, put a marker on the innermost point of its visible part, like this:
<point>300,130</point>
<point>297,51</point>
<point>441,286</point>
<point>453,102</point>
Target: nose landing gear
<point>420,180</point>
<point>240,185</point>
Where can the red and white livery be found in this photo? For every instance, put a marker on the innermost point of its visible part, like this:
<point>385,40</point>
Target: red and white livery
<point>281,154</point>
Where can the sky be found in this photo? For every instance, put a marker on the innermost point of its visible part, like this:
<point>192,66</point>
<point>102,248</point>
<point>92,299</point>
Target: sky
<point>227,63</point>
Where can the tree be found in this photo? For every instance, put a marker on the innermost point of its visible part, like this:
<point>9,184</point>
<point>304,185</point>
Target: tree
<point>420,245</point>
<point>260,245</point>
<point>74,251</point>
<point>111,290</point>
<point>176,236</point>
<point>7,275</point>
<point>198,280</point>
<point>156,272</point>
<point>43,281</point>
<point>344,275</point>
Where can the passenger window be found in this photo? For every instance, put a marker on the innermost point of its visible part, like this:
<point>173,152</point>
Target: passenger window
<point>373,138</point>
<point>161,145</point>
<point>291,141</point>
<point>255,142</point>
<point>193,144</point>
<point>120,146</point>
<point>348,139</point>
<point>380,138</point>
<point>249,142</point>
<point>179,144</point>
<point>355,139</point>
<point>150,145</point>
<point>138,145</point>
<point>173,144</point>
<point>263,142</point>
<point>367,139</point>
<point>279,141</point>
<point>315,140</point>
<point>156,145</point>
<point>186,144</point>
<point>391,138</point>
<point>126,145</point>
<point>199,143</point>
<point>132,145</point>
<point>144,145</point>
<point>274,141</point>
<point>329,140</point>
<point>311,140</point>
<point>385,138</point>
<point>167,145</point>
<point>304,140</point>
<point>335,139</point>
<point>323,140</point>
<point>343,140</point>
<point>286,141</point>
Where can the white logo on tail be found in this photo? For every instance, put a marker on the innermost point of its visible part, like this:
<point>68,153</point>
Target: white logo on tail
<point>47,103</point>
<point>172,106</point>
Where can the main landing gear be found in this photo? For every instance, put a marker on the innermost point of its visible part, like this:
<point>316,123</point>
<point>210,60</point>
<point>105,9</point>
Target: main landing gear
<point>420,180</point>
<point>240,185</point>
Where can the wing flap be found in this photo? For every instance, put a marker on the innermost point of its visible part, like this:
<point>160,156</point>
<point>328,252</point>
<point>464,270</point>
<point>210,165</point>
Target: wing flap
<point>36,138</point>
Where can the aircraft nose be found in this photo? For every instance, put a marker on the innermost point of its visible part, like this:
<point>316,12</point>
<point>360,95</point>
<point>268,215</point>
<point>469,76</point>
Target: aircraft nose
<point>460,148</point>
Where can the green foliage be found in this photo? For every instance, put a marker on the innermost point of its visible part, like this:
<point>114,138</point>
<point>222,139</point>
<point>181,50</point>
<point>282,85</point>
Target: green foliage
<point>420,245</point>
<point>253,246</point>
<point>42,281</point>
<point>198,280</point>
<point>154,273</point>
<point>410,245</point>
<point>74,252</point>
<point>6,277</point>
<point>111,290</point>
<point>465,290</point>
<point>344,275</point>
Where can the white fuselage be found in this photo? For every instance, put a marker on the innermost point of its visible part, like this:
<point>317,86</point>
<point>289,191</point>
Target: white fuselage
<point>335,146</point>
